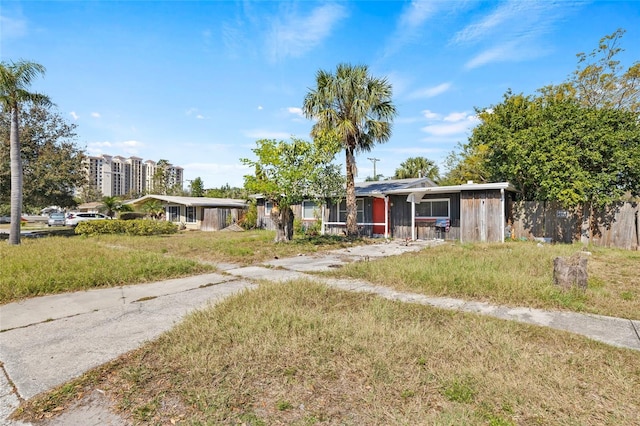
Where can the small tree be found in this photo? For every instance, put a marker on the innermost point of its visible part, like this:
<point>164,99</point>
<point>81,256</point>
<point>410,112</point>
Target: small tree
<point>286,173</point>
<point>153,208</point>
<point>197,187</point>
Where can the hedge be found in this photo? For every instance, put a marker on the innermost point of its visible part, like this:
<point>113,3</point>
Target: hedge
<point>128,227</point>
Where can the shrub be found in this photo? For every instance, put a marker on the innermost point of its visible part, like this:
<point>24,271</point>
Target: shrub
<point>131,215</point>
<point>129,227</point>
<point>250,219</point>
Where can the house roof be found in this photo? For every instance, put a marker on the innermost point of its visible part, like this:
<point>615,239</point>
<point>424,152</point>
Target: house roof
<point>192,201</point>
<point>382,187</point>
<point>418,193</point>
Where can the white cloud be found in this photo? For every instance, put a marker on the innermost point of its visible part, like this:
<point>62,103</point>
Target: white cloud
<point>95,114</point>
<point>130,147</point>
<point>260,108</point>
<point>12,28</point>
<point>416,14</point>
<point>510,32</point>
<point>74,115</point>
<point>294,35</point>
<point>430,115</point>
<point>430,92</point>
<point>214,175</point>
<point>295,111</point>
<point>457,116</point>
<point>452,124</point>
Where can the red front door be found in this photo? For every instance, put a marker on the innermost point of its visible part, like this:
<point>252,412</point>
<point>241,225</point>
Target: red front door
<point>378,215</point>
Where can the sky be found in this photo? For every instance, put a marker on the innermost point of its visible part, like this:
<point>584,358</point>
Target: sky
<point>199,82</point>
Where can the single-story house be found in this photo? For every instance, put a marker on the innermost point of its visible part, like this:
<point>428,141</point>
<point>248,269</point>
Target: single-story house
<point>414,209</point>
<point>202,213</point>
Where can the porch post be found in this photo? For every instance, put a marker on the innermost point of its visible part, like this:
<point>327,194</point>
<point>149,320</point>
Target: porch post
<point>502,215</point>
<point>322,219</point>
<point>386,216</point>
<point>413,217</point>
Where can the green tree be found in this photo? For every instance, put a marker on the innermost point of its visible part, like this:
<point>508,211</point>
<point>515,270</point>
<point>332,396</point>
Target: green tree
<point>417,167</point>
<point>357,109</point>
<point>600,81</point>
<point>52,163</point>
<point>227,191</point>
<point>556,149</point>
<point>197,187</point>
<point>110,205</point>
<point>153,208</point>
<point>286,173</point>
<point>15,80</point>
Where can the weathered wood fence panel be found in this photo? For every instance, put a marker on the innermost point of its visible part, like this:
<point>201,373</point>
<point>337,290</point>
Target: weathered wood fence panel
<point>615,226</point>
<point>481,216</point>
<point>215,219</point>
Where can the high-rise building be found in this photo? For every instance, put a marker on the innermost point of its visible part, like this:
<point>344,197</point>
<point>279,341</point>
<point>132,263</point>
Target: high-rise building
<point>118,176</point>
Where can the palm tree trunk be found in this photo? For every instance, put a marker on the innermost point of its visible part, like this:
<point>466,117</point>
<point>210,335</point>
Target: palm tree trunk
<point>16,180</point>
<point>352,224</point>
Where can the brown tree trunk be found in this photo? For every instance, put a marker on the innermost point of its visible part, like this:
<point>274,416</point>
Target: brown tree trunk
<point>352,218</point>
<point>283,219</point>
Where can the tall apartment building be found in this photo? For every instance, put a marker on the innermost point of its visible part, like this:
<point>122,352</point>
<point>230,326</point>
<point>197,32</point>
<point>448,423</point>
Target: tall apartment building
<point>119,176</point>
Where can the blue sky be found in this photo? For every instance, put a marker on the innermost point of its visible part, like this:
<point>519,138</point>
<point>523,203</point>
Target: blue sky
<point>198,82</point>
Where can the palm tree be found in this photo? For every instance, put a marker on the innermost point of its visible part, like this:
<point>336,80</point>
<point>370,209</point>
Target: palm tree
<point>417,167</point>
<point>110,205</point>
<point>153,208</point>
<point>357,109</point>
<point>15,79</point>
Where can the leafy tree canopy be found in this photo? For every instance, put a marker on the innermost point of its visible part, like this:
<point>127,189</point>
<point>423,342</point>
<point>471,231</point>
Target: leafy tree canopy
<point>52,163</point>
<point>197,187</point>
<point>286,173</point>
<point>556,149</point>
<point>576,142</point>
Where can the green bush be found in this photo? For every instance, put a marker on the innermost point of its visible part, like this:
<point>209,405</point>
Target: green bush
<point>129,227</point>
<point>131,215</point>
<point>250,219</point>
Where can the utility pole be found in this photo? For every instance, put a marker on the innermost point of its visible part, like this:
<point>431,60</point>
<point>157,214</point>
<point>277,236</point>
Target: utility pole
<point>374,161</point>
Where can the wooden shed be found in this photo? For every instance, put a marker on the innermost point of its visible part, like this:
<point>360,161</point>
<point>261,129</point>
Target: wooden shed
<point>467,213</point>
<point>202,213</point>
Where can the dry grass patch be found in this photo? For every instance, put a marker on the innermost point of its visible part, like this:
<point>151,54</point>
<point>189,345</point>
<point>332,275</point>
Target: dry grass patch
<point>243,248</point>
<point>57,264</point>
<point>514,274</point>
<point>305,354</point>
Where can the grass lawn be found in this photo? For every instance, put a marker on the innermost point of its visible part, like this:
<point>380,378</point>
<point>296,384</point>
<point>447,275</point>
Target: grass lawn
<point>40,266</point>
<point>514,273</point>
<point>303,354</point>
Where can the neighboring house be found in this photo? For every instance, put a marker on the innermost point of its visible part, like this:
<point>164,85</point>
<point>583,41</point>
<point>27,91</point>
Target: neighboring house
<point>203,213</point>
<point>91,207</point>
<point>415,209</point>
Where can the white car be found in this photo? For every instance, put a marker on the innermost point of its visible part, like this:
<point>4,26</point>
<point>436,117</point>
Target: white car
<point>74,218</point>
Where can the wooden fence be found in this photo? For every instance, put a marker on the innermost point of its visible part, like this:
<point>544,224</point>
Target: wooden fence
<point>617,225</point>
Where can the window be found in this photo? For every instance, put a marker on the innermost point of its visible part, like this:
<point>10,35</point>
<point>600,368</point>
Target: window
<point>342,211</point>
<point>309,210</point>
<point>268,205</point>
<point>190,214</point>
<point>433,208</point>
<point>173,213</point>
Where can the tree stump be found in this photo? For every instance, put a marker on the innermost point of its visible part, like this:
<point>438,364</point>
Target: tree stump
<point>570,272</point>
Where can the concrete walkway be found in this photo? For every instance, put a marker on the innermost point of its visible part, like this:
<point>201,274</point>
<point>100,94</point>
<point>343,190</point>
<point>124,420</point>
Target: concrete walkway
<point>47,341</point>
